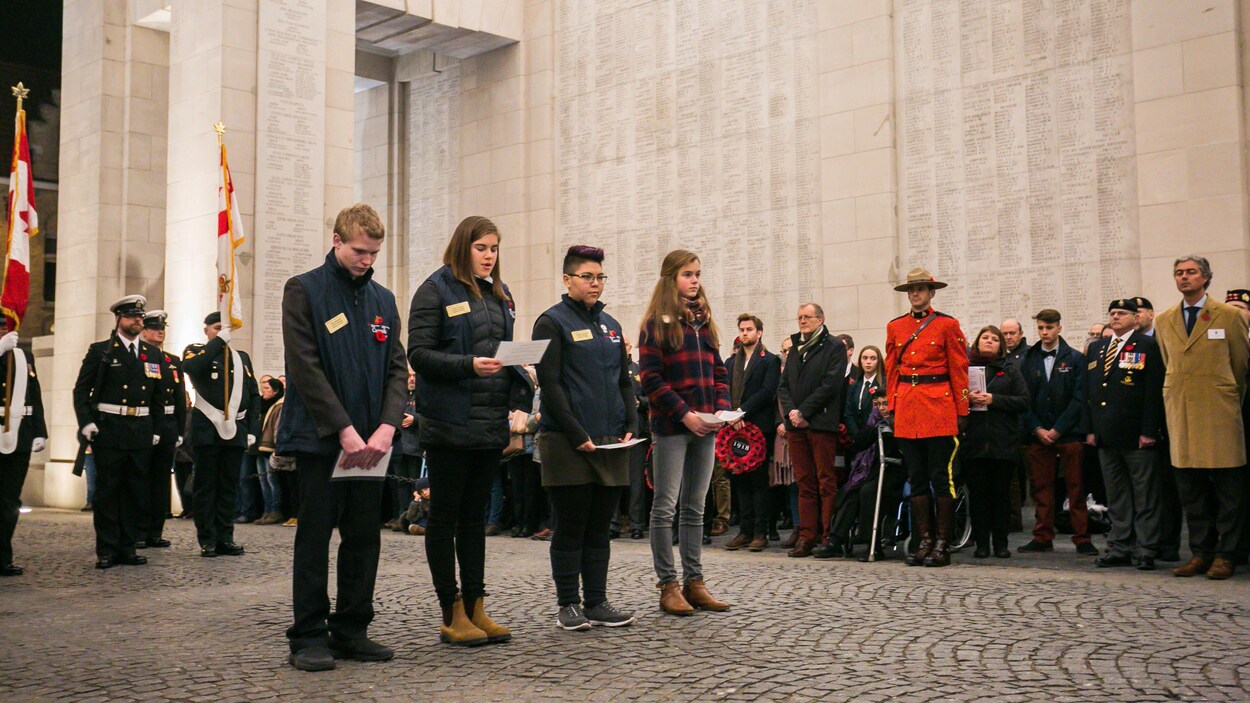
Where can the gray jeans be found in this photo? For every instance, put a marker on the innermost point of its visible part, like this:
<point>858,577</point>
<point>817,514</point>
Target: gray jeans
<point>681,468</point>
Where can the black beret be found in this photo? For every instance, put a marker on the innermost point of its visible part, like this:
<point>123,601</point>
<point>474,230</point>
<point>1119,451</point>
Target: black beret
<point>1123,304</point>
<point>1238,294</point>
<point>1143,303</point>
<point>212,319</point>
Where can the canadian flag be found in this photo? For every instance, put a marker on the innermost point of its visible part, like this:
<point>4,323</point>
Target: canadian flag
<point>23,224</point>
<point>229,237</point>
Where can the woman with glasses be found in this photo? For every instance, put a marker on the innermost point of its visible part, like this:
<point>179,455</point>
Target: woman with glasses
<point>588,401</point>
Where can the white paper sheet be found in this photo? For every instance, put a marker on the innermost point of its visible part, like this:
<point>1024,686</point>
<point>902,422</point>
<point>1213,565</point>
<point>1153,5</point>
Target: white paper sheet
<point>976,384</point>
<point>622,445</point>
<point>377,472</point>
<point>722,416</point>
<point>518,353</point>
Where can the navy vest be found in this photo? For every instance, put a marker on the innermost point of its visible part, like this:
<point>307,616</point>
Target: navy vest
<point>355,358</point>
<point>590,367</point>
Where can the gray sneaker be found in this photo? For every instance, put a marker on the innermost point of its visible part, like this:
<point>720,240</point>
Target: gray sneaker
<point>571,617</point>
<point>607,616</point>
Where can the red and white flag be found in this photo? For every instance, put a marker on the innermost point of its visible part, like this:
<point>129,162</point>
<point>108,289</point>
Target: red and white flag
<point>229,237</point>
<point>23,224</point>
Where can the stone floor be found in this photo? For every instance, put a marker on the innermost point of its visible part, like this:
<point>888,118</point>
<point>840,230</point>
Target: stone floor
<point>1046,627</point>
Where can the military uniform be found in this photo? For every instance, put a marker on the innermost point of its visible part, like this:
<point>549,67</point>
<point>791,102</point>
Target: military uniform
<point>218,451</point>
<point>169,423</point>
<point>27,432</point>
<point>926,376</point>
<point>116,399</point>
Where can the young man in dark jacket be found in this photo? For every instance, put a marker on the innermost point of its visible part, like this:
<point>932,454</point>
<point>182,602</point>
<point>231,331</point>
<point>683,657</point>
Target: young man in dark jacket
<point>1055,374</point>
<point>812,391</point>
<point>754,375</point>
<point>346,389</point>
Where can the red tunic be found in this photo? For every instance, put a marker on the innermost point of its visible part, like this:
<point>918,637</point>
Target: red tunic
<point>926,409</point>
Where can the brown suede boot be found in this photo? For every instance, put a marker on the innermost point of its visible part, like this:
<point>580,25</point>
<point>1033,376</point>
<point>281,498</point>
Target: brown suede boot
<point>941,554</point>
<point>457,630</point>
<point>921,518</point>
<point>1193,567</point>
<point>672,601</point>
<point>738,542</point>
<point>759,544</point>
<point>476,610</point>
<point>696,594</point>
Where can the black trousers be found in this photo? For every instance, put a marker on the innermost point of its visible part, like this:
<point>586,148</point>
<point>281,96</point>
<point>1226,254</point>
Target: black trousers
<point>161,462</point>
<point>1214,508</point>
<point>13,469</point>
<point>288,481</point>
<point>528,495</point>
<point>856,508</point>
<point>352,506</point>
<point>751,490</point>
<point>460,483</point>
<point>215,490</point>
<point>121,495</point>
<point>581,544</point>
<point>989,494</point>
<point>930,461</point>
<point>407,466</point>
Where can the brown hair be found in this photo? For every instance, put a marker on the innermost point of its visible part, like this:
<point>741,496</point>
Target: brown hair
<point>360,217</point>
<point>1049,315</point>
<point>880,358</point>
<point>759,324</point>
<point>1002,343</point>
<point>459,254</point>
<point>666,310</point>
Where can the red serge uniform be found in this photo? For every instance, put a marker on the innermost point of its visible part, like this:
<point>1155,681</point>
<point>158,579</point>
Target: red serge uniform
<point>928,387</point>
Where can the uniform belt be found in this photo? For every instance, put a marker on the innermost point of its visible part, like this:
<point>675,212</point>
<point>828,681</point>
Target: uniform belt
<point>171,409</point>
<point>124,410</point>
<point>917,379</point>
<point>27,411</point>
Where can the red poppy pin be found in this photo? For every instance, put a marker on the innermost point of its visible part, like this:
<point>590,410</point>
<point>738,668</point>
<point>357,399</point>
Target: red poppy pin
<point>167,360</point>
<point>143,356</point>
<point>1000,373</point>
<point>380,331</point>
<point>1205,316</point>
<point>1129,347</point>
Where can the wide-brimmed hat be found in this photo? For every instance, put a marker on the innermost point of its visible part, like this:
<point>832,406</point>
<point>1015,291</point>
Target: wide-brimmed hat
<point>919,276</point>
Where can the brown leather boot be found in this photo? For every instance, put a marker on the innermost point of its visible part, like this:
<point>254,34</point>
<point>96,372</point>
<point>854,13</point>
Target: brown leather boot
<point>495,632</point>
<point>941,554</point>
<point>457,630</point>
<point>696,594</point>
<point>738,542</point>
<point>1220,569</point>
<point>672,601</point>
<point>759,544</point>
<point>793,539</point>
<point>922,519</point>
<point>1194,567</point>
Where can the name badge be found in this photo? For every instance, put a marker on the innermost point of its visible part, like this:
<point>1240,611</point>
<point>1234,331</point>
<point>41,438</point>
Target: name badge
<point>1215,333</point>
<point>457,309</point>
<point>152,370</point>
<point>582,335</point>
<point>336,323</point>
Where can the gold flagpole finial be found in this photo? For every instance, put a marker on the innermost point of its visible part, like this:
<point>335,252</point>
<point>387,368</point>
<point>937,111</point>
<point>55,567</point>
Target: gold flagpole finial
<point>220,129</point>
<point>20,92</point>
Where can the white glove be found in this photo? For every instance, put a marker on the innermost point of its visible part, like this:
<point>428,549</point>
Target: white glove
<point>38,444</point>
<point>156,439</point>
<point>251,439</point>
<point>224,336</point>
<point>8,343</point>
<point>90,431</point>
<point>178,443</point>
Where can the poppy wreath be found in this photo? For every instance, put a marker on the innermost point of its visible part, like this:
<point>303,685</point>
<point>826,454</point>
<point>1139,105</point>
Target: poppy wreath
<point>740,450</point>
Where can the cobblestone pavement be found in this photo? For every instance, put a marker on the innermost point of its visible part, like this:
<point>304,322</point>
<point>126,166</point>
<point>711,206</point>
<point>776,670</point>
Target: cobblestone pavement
<point>1038,628</point>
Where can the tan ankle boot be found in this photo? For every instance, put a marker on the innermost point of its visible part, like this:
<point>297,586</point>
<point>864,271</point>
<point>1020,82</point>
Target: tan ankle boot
<point>494,631</point>
<point>457,630</point>
<point>672,601</point>
<point>696,594</point>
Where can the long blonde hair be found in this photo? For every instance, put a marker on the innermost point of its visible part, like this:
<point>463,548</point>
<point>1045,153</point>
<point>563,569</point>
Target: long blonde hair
<point>667,310</point>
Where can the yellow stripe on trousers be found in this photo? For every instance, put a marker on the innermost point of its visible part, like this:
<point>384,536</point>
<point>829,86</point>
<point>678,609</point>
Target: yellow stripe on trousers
<point>950,467</point>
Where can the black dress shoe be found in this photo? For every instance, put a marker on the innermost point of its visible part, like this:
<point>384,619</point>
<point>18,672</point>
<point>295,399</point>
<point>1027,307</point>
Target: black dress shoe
<point>10,570</point>
<point>614,534</point>
<point>104,563</point>
<point>141,544</point>
<point>1002,553</point>
<point>132,560</point>
<point>981,553</point>
<point>1109,561</point>
<point>362,650</point>
<point>707,539</point>
<point>1169,556</point>
<point>315,658</point>
<point>158,543</point>
<point>635,534</point>
<point>829,550</point>
<point>1086,549</point>
<point>1146,564</point>
<point>1035,546</point>
<point>208,551</point>
<point>229,549</point>
<point>774,537</point>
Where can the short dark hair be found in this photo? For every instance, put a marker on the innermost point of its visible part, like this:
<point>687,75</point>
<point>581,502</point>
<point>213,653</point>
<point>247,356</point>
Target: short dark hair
<point>1048,315</point>
<point>579,254</point>
<point>1002,342</point>
<point>848,340</point>
<point>759,324</point>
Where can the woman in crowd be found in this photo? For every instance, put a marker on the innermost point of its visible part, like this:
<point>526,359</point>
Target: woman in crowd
<point>683,375</point>
<point>271,392</point>
<point>988,454</point>
<point>783,491</point>
<point>528,495</point>
<point>279,470</point>
<point>458,318</point>
<point>589,400</point>
<point>860,393</point>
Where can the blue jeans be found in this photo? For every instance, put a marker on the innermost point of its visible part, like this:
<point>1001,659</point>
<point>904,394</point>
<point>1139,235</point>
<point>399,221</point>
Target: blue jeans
<point>270,492</point>
<point>88,468</point>
<point>681,468</point>
<point>246,498</point>
<point>494,512</point>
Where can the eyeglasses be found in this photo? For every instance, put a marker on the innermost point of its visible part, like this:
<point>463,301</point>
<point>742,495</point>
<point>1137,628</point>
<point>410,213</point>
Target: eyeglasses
<point>808,317</point>
<point>591,278</point>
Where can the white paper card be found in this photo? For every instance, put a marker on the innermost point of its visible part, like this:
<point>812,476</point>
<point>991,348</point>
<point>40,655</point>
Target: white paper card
<point>1217,333</point>
<point>976,384</point>
<point>377,472</point>
<point>518,353</point>
<point>722,416</point>
<point>622,445</point>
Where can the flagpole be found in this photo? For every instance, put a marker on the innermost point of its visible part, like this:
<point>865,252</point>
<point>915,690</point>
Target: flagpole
<point>220,129</point>
<point>20,92</point>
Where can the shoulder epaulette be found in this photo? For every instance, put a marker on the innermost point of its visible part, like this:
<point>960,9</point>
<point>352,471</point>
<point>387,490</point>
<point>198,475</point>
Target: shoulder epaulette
<point>942,314</point>
<point>906,314</point>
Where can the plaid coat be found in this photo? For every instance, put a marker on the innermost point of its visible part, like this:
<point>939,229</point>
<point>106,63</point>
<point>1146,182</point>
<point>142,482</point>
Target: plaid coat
<point>690,379</point>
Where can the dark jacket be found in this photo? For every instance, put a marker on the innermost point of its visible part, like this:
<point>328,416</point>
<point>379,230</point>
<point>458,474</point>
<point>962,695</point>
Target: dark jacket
<point>759,389</point>
<point>411,437</point>
<point>447,327</point>
<point>994,433</point>
<point>110,374</point>
<point>210,368</point>
<point>857,409</point>
<point>1016,356</point>
<point>691,378</point>
<point>640,400</point>
<point>816,386</point>
<point>1127,403</point>
<point>351,372</point>
<point>173,419</point>
<point>1057,403</point>
<point>30,408</point>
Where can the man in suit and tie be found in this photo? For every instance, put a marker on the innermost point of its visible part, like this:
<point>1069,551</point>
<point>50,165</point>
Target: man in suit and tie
<point>1124,418</point>
<point>1205,350</point>
<point>755,374</point>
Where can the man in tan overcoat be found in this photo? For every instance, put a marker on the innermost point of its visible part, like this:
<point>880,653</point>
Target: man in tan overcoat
<point>1206,353</point>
